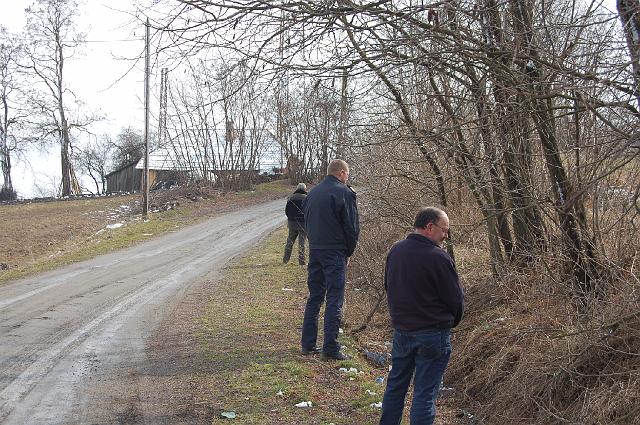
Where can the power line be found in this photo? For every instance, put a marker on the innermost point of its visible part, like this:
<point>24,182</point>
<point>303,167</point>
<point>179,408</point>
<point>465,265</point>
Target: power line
<point>123,40</point>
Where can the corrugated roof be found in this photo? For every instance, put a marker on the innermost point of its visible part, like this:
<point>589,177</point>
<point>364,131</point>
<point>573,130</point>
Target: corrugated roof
<point>180,157</point>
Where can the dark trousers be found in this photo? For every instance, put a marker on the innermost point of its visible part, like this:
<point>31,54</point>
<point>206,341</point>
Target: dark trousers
<point>326,279</point>
<point>296,230</point>
<point>423,355</point>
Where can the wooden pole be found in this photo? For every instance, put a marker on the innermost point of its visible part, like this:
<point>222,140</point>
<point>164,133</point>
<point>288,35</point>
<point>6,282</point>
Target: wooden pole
<point>145,176</point>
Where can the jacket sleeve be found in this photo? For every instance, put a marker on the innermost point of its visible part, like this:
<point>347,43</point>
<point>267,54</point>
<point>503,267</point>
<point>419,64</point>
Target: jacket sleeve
<point>288,209</point>
<point>449,288</point>
<point>350,221</point>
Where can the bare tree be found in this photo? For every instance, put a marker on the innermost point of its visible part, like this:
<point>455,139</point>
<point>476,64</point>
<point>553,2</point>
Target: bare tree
<point>11,116</point>
<point>629,12</point>
<point>53,39</point>
<point>93,160</point>
<point>484,87</point>
<point>219,123</point>
<point>128,147</point>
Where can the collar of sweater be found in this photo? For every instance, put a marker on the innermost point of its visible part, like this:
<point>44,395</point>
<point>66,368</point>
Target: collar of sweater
<point>421,238</point>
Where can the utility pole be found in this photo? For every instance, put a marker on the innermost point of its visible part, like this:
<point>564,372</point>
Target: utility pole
<point>145,176</point>
<point>162,124</point>
<point>342,128</point>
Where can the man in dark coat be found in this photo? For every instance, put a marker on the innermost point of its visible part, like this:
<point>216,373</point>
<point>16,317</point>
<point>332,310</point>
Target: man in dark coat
<point>425,302</point>
<point>295,221</point>
<point>331,221</point>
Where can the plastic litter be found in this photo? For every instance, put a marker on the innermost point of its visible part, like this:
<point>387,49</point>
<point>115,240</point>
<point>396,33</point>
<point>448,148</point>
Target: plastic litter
<point>304,404</point>
<point>228,415</point>
<point>380,359</point>
<point>377,405</point>
<point>380,380</point>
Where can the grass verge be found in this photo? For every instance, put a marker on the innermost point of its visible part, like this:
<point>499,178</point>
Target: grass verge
<point>249,337</point>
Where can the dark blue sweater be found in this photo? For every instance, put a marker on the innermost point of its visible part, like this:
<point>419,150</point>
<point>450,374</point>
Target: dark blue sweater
<point>422,285</point>
<point>331,216</point>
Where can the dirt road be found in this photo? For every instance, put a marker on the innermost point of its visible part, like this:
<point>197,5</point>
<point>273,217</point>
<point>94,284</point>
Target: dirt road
<point>68,335</point>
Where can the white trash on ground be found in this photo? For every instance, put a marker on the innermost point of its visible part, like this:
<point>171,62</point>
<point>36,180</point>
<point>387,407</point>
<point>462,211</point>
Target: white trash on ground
<point>304,404</point>
<point>350,370</point>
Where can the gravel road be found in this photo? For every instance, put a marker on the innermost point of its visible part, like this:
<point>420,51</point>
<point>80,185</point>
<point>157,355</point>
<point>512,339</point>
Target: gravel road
<point>66,335</point>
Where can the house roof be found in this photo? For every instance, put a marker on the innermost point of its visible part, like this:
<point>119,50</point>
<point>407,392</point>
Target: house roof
<point>120,169</point>
<point>178,156</point>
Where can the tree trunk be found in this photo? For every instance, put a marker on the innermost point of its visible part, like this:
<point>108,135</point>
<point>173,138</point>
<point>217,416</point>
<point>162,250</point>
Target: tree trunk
<point>474,179</point>
<point>5,154</point>
<point>581,254</point>
<point>513,130</point>
<point>629,11</point>
<point>499,207</point>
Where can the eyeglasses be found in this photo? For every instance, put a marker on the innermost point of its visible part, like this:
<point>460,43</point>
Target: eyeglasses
<point>441,228</point>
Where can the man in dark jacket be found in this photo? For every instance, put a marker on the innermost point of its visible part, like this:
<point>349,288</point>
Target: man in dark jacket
<point>295,221</point>
<point>425,302</point>
<point>331,221</point>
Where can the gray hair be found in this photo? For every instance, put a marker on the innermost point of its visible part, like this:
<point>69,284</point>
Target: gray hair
<point>301,186</point>
<point>427,215</point>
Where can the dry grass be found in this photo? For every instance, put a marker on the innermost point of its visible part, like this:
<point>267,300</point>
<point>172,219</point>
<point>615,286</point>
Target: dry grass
<point>250,339</point>
<point>526,351</point>
<point>526,356</point>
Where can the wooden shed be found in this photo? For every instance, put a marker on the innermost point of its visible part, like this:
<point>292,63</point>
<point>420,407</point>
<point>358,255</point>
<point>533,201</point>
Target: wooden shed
<point>125,179</point>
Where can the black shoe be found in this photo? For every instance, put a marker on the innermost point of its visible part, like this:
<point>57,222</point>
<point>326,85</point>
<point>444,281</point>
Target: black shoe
<point>337,356</point>
<point>306,352</point>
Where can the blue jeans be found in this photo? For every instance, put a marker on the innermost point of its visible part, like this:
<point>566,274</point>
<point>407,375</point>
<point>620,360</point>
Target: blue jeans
<point>425,352</point>
<point>326,279</point>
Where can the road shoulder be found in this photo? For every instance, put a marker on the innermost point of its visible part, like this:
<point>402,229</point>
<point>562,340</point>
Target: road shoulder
<point>231,347</point>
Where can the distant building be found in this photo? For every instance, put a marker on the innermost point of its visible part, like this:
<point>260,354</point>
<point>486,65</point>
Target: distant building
<point>228,161</point>
<point>124,179</point>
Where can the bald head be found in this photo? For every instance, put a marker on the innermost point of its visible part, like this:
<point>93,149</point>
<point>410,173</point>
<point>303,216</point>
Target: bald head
<point>432,223</point>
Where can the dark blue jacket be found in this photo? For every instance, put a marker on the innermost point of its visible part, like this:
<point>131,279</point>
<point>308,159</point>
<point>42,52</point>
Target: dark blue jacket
<point>331,216</point>
<point>295,206</point>
<point>422,285</point>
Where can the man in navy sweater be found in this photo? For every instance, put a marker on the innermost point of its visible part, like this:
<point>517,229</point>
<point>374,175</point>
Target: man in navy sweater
<point>425,302</point>
<point>331,221</point>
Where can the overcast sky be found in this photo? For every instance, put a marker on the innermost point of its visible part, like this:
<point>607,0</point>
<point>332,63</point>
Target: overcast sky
<point>97,74</point>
